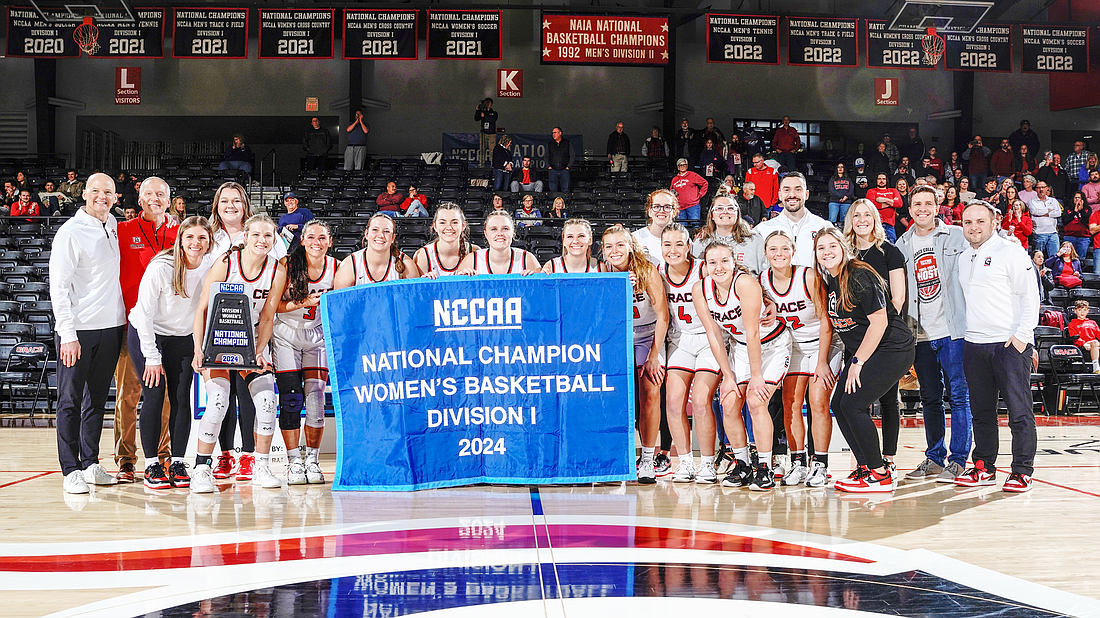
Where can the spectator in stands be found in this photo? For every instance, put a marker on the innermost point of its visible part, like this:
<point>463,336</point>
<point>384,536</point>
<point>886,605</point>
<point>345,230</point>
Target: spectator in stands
<point>937,316</point>
<point>526,178</point>
<point>795,219</point>
<point>655,147</point>
<point>356,152</point>
<point>618,149</point>
<point>1018,222</point>
<point>689,142</point>
<point>129,213</point>
<point>891,150</point>
<point>1085,333</point>
<point>1091,190</point>
<point>1066,266</point>
<point>11,194</point>
<point>713,133</point>
<point>988,190</point>
<point>750,205</point>
<point>735,155</point>
<point>950,203</point>
<point>25,206</point>
<point>903,219</point>
<point>977,156</point>
<point>294,220</point>
<point>913,146</point>
<point>559,158</point>
<point>1092,163</point>
<point>415,203</point>
<point>72,187</point>
<point>317,143</point>
<point>1045,213</point>
<point>527,214</point>
<point>956,176</point>
<point>557,210</point>
<point>497,204</point>
<point>965,194</point>
<point>934,165</point>
<point>390,202</point>
<point>953,162</point>
<point>89,322</point>
<point>1027,193</point>
<point>178,209</point>
<point>765,179</point>
<point>1024,136</point>
<point>1075,224</point>
<point>841,194</point>
<point>727,186</point>
<point>903,170</point>
<point>1055,176</point>
<point>51,199</point>
<point>786,142</point>
<point>887,201</point>
<point>1023,164</point>
<point>22,182</point>
<point>139,240</point>
<point>1044,279</point>
<point>487,127</point>
<point>1001,163</point>
<point>878,162</point>
<point>238,157</point>
<point>502,163</point>
<point>690,189</point>
<point>711,162</point>
<point>1002,311</point>
<point>1077,160</point>
<point>997,198</point>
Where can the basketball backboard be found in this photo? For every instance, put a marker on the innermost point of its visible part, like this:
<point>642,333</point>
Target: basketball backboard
<point>943,15</point>
<point>103,11</point>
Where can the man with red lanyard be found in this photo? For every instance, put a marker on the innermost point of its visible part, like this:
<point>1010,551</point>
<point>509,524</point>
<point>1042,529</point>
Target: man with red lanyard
<point>139,240</point>
<point>888,201</point>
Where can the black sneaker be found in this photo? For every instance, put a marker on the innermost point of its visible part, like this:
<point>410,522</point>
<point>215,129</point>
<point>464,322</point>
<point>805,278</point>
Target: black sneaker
<point>662,465</point>
<point>762,479</point>
<point>155,478</point>
<point>739,475</point>
<point>177,474</point>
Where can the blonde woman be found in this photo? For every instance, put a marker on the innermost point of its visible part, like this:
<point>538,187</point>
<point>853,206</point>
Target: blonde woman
<point>500,258</point>
<point>576,250</point>
<point>450,243</point>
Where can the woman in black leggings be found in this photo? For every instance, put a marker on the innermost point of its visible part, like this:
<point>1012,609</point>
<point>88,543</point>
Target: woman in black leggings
<point>879,348</point>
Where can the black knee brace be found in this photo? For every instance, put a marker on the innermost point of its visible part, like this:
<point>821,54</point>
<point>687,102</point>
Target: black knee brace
<point>291,399</point>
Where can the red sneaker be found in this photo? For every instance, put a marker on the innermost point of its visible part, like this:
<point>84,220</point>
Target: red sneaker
<point>976,476</point>
<point>224,469</point>
<point>1017,483</point>
<point>854,477</point>
<point>244,470</point>
<point>869,482</point>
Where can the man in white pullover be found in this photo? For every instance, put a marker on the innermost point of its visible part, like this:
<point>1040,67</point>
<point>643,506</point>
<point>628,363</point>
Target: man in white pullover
<point>796,220</point>
<point>1002,310</point>
<point>89,319</point>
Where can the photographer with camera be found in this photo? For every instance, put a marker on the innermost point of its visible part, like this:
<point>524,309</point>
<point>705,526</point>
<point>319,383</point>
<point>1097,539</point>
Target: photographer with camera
<point>488,119</point>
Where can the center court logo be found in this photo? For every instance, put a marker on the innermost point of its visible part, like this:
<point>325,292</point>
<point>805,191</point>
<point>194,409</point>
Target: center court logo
<point>478,314</point>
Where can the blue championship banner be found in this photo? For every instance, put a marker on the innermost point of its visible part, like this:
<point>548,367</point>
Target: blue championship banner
<point>465,147</point>
<point>488,379</point>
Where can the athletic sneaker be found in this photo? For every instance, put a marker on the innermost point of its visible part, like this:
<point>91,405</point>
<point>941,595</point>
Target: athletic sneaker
<point>75,483</point>
<point>685,472</point>
<point>818,475</point>
<point>926,469</point>
<point>780,465</point>
<point>662,464</point>
<point>313,473</point>
<point>706,474</point>
<point>855,477</point>
<point>739,475</point>
<point>244,469</point>
<point>155,477</point>
<point>892,469</point>
<point>762,479</point>
<point>125,473</point>
<point>264,477</point>
<point>868,482</point>
<point>1017,483</point>
<point>797,474</point>
<point>977,476</point>
<point>949,473</point>
<point>177,475</point>
<point>646,475</point>
<point>97,475</point>
<point>202,480</point>
<point>224,467</point>
<point>296,474</point>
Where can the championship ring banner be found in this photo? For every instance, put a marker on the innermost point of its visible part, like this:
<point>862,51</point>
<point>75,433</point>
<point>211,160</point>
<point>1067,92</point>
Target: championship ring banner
<point>230,341</point>
<point>488,379</point>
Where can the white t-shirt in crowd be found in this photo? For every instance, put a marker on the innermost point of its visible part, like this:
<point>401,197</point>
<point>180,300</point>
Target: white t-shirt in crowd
<point>930,311</point>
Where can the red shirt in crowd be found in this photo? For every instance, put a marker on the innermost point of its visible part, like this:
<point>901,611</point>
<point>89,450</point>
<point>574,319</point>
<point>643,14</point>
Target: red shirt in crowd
<point>1083,331</point>
<point>138,242</point>
<point>689,187</point>
<point>886,213</point>
<point>786,139</point>
<point>1020,229</point>
<point>30,209</point>
<point>767,184</point>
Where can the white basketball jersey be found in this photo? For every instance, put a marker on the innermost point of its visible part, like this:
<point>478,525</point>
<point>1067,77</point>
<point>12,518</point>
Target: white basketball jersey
<point>645,318</point>
<point>306,318</point>
<point>258,288</point>
<point>728,314</point>
<point>796,307</point>
<point>557,265</point>
<point>515,265</point>
<point>435,265</point>
<point>680,306</point>
<point>362,273</point>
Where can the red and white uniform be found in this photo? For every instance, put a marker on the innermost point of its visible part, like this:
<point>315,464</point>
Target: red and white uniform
<point>297,339</point>
<point>362,273</point>
<point>775,346</point>
<point>795,306</point>
<point>645,325</point>
<point>688,348</point>
<point>258,288</point>
<point>557,265</point>
<point>515,265</point>
<point>435,265</point>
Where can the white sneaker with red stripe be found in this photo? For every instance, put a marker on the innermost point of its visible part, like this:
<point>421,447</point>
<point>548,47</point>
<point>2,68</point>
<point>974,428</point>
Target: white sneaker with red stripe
<point>867,482</point>
<point>1017,483</point>
<point>977,476</point>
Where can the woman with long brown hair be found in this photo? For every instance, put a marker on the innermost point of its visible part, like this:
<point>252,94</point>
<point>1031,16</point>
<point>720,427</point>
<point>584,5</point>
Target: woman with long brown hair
<point>379,259</point>
<point>449,245</point>
<point>724,222</point>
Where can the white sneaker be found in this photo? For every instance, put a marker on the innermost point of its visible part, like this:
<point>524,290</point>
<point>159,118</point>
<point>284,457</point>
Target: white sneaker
<point>75,483</point>
<point>296,473</point>
<point>202,480</point>
<point>313,473</point>
<point>96,475</point>
<point>646,474</point>
<point>706,474</point>
<point>685,472</point>
<point>797,474</point>
<point>264,477</point>
<point>818,475</point>
<point>780,465</point>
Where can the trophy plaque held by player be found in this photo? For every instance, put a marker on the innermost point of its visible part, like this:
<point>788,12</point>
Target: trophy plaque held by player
<point>230,341</point>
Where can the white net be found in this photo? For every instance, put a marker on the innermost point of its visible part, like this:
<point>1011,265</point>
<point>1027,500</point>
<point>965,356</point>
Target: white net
<point>86,36</point>
<point>934,46</point>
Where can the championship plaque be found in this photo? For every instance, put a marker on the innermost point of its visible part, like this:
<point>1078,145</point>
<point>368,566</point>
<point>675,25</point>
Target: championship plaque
<point>230,341</point>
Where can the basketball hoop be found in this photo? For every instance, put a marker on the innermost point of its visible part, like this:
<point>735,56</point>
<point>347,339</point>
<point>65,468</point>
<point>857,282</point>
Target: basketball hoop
<point>86,35</point>
<point>934,47</point>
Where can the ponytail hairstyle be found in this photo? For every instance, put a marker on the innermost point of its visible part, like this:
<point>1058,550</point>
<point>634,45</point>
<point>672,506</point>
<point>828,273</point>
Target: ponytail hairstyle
<point>297,266</point>
<point>464,238</point>
<point>501,213</point>
<point>636,262</point>
<point>848,265</point>
<point>678,228</point>
<point>215,219</point>
<point>179,263</point>
<point>579,222</point>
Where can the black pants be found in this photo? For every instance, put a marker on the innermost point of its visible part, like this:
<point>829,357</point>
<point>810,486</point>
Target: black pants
<point>78,430</point>
<point>992,369</point>
<point>176,354</point>
<point>240,404</point>
<point>891,420</point>
<point>879,374</point>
